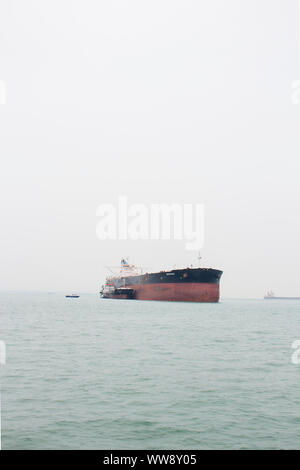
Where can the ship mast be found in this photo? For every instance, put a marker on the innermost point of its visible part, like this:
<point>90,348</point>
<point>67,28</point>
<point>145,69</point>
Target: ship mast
<point>199,259</point>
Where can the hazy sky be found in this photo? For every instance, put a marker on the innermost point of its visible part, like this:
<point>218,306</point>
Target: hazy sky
<point>162,101</point>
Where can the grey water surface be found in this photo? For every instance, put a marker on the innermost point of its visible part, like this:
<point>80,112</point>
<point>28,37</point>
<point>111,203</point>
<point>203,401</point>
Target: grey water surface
<point>120,374</point>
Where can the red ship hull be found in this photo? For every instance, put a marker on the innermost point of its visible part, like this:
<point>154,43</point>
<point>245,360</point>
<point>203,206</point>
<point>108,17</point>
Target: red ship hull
<point>185,292</point>
<point>179,285</point>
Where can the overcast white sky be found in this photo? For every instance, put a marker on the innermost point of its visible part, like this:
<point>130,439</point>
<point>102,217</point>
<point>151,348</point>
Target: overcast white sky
<point>163,101</point>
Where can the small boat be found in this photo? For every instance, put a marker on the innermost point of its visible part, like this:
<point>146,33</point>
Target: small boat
<point>73,296</point>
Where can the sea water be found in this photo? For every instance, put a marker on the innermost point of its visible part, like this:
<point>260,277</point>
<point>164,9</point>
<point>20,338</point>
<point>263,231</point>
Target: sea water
<point>90,373</point>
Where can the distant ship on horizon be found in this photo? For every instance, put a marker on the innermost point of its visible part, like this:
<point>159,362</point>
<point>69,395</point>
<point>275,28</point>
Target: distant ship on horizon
<point>271,296</point>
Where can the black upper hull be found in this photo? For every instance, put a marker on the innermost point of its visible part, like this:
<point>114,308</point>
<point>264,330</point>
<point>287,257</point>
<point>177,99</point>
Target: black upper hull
<point>187,275</point>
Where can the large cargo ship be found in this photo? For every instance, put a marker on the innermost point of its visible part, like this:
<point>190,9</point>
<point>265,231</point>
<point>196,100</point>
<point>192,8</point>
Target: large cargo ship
<point>185,285</point>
